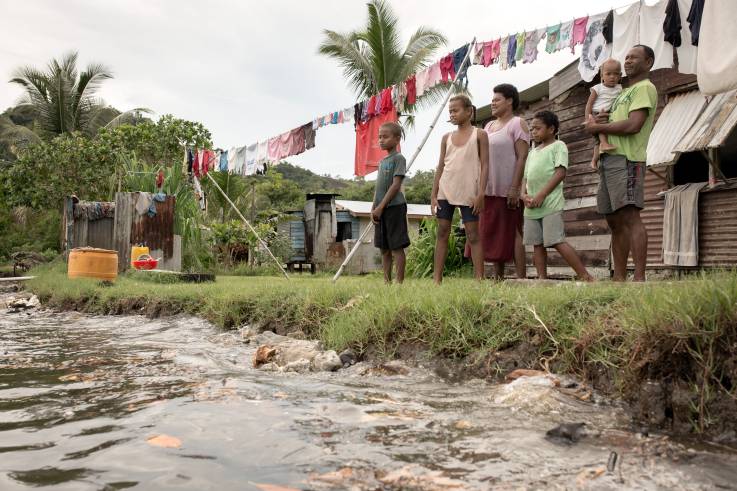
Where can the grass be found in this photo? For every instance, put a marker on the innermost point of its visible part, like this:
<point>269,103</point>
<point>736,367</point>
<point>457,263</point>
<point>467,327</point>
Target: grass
<point>681,332</point>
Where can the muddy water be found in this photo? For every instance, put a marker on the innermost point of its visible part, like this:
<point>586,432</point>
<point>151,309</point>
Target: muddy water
<point>81,396</point>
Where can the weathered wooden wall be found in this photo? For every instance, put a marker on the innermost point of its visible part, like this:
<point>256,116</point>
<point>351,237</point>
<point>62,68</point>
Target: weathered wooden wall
<point>81,232</point>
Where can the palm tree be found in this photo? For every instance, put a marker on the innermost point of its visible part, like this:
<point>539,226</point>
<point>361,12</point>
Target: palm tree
<point>373,59</point>
<point>64,100</point>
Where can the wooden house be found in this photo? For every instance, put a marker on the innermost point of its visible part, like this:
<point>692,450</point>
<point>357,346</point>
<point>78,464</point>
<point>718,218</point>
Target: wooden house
<point>685,140</point>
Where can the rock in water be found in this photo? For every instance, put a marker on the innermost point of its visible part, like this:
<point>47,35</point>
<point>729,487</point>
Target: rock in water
<point>567,432</point>
<point>347,357</point>
<point>264,354</point>
<point>327,361</point>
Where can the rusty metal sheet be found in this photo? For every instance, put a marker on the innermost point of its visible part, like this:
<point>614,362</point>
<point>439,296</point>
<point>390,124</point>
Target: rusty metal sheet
<point>674,121</point>
<point>718,228</point>
<point>713,126</point>
<point>156,232</point>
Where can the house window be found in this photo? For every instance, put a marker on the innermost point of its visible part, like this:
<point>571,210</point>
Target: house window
<point>690,167</point>
<point>345,232</point>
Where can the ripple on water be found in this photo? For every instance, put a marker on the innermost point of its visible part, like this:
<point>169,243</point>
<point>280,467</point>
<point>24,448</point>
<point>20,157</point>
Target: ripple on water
<point>81,397</point>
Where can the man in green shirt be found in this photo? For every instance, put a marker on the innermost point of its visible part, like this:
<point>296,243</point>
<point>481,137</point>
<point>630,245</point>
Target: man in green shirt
<point>622,170</point>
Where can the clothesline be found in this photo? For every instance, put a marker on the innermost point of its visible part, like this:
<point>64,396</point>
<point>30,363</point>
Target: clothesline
<point>595,32</point>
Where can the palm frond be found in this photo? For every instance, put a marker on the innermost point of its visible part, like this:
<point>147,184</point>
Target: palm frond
<point>347,50</point>
<point>132,116</point>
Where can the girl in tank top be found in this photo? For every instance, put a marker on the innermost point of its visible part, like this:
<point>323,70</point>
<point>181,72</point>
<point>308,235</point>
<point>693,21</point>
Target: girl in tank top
<point>460,181</point>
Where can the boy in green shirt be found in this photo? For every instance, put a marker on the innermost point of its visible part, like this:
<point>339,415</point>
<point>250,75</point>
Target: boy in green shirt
<point>542,189</point>
<point>389,210</point>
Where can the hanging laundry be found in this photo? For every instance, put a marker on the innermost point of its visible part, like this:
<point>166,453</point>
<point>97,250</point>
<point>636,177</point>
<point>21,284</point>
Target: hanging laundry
<point>196,163</point>
<point>447,71</point>
<point>240,160</point>
<point>718,48</point>
<point>595,49</point>
<point>626,32</point>
<point>273,149</point>
<point>532,41</point>
<point>503,53</point>
<point>262,154</point>
<point>578,34</point>
<point>672,24</point>
<point>223,161</point>
<point>309,135</point>
<point>694,20</point>
<point>386,101</point>
<point>411,85</point>
<point>652,18</point>
<point>421,81</point>
<point>521,39</point>
<point>608,30</point>
<point>552,38</point>
<point>478,54</point>
<point>231,159</point>
<point>371,109</point>
<point>198,194</point>
<point>434,75</point>
<point>458,56</point>
<point>566,33</point>
<point>251,156</point>
<point>190,161</point>
<point>206,162</point>
<point>348,114</point>
<point>399,96</point>
<point>334,118</point>
<point>368,152</point>
<point>364,110</point>
<point>512,51</point>
<point>687,52</point>
<point>492,49</point>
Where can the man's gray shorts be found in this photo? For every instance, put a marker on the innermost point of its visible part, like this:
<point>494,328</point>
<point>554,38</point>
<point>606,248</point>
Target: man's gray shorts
<point>621,183</point>
<point>547,231</point>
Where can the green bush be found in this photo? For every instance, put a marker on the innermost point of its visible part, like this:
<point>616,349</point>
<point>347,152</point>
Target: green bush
<point>421,254</point>
<point>28,230</point>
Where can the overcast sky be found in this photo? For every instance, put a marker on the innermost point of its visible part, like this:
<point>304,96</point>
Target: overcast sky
<point>249,70</point>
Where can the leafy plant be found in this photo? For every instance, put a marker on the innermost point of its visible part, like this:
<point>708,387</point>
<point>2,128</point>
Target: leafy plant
<point>372,57</point>
<point>64,100</point>
<point>421,254</point>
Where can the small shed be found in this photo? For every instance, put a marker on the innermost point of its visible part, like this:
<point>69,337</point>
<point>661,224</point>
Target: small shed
<point>140,219</point>
<point>132,219</point>
<point>321,226</point>
<point>357,216</point>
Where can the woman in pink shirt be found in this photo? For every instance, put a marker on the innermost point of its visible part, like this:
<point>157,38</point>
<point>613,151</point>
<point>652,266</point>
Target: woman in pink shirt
<point>501,220</point>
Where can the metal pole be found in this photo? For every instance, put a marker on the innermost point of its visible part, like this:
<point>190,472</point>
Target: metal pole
<point>412,159</point>
<point>253,230</point>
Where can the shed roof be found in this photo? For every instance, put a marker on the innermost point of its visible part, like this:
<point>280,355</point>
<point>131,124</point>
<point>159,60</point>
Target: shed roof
<point>363,208</point>
<point>713,125</point>
<point>677,118</point>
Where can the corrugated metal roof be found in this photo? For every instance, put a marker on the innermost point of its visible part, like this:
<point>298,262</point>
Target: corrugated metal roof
<point>363,208</point>
<point>677,117</point>
<point>713,126</point>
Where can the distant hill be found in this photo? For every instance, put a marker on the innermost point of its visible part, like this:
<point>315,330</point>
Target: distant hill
<point>416,188</point>
<point>309,181</point>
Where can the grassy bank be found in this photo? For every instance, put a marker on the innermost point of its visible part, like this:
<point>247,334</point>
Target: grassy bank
<point>680,335</point>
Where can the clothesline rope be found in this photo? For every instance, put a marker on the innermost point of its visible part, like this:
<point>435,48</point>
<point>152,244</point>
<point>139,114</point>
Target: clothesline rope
<point>627,5</point>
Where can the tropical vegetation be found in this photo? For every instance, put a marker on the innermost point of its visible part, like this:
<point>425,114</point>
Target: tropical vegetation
<point>373,57</point>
